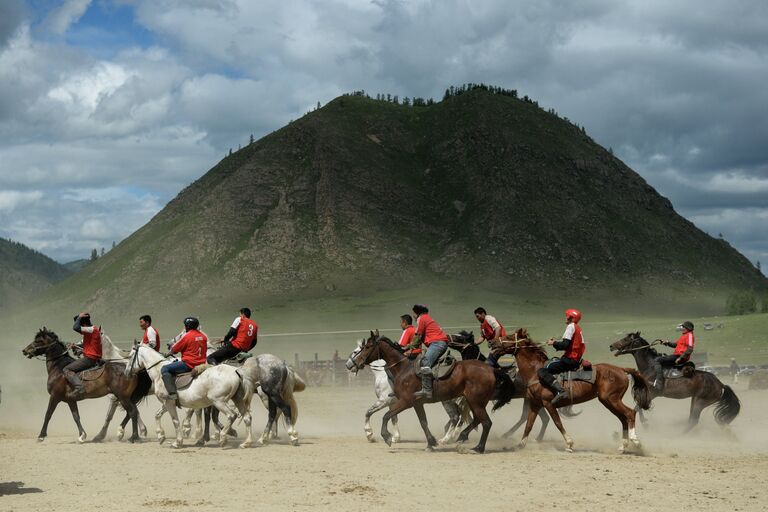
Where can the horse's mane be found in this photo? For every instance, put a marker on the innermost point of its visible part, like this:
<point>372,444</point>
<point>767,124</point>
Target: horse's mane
<point>391,343</point>
<point>652,351</point>
<point>524,340</point>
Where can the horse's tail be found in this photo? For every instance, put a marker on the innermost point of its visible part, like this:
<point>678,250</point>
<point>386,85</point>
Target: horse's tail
<point>298,383</point>
<point>505,390</point>
<point>244,390</point>
<point>142,387</point>
<point>464,410</point>
<point>640,390</point>
<point>289,387</point>
<point>727,407</point>
<point>568,411</point>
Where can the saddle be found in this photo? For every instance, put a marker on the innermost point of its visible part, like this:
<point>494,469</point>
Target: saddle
<point>678,371</point>
<point>92,373</point>
<point>442,368</point>
<point>583,373</point>
<point>184,380</point>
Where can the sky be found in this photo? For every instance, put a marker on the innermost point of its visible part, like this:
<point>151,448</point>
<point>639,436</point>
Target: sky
<point>108,108</point>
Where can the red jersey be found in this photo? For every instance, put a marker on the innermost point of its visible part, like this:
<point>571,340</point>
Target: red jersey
<point>91,342</point>
<point>576,352</point>
<point>407,337</point>
<point>192,346</point>
<point>488,328</point>
<point>152,338</point>
<point>246,333</point>
<point>683,342</point>
<point>429,329</point>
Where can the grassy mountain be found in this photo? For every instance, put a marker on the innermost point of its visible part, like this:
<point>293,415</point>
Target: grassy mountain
<point>25,273</point>
<point>479,188</point>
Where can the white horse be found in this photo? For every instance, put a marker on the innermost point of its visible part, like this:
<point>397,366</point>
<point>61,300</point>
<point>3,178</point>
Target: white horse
<point>457,409</point>
<point>215,386</point>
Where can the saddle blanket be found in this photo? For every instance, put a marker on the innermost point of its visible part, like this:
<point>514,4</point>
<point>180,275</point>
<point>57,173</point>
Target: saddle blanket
<point>580,374</point>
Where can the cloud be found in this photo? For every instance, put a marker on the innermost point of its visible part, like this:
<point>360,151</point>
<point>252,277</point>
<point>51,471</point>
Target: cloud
<point>677,89</point>
<point>11,200</point>
<point>60,19</point>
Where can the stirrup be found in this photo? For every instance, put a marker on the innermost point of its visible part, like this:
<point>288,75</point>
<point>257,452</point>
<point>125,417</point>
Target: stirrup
<point>559,396</point>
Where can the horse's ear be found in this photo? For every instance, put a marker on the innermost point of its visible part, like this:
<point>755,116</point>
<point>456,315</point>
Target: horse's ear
<point>377,333</point>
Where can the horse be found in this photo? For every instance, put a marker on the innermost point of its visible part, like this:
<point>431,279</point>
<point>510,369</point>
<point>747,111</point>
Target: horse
<point>216,386</point>
<point>610,385</point>
<point>457,412</point>
<point>474,380</point>
<point>110,379</point>
<point>703,388</point>
<point>464,343</point>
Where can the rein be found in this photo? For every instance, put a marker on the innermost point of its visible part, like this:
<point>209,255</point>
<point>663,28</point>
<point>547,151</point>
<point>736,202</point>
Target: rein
<point>626,351</point>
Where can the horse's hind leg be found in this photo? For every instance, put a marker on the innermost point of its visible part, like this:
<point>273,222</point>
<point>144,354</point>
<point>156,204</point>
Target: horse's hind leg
<point>544,424</point>
<point>76,417</point>
<point>640,412</point>
<point>627,417</point>
<point>52,403</point>
<point>395,430</point>
<point>285,409</point>
<point>133,412</point>
<point>481,416</point>
<point>271,413</point>
<point>230,416</point>
<point>532,412</point>
<point>431,441</point>
<point>110,414</point>
<point>697,405</point>
<point>186,425</point>
<point>159,424</point>
<point>523,416</point>
<point>454,421</point>
<point>244,409</point>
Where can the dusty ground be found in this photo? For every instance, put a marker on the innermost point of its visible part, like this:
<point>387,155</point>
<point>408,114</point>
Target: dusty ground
<point>336,468</point>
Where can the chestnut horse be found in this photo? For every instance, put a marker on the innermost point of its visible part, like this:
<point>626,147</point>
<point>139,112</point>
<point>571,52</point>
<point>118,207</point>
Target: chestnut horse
<point>110,379</point>
<point>611,383</point>
<point>474,380</point>
<point>704,388</point>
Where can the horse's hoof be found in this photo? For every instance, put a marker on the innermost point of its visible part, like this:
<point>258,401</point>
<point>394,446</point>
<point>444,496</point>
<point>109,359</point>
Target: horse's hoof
<point>200,443</point>
<point>478,449</point>
<point>245,445</point>
<point>82,438</point>
<point>429,449</point>
<point>388,440</point>
<point>176,444</point>
<point>99,438</point>
<point>161,439</point>
<point>40,439</point>
<point>143,432</point>
<point>120,434</point>
<point>134,439</point>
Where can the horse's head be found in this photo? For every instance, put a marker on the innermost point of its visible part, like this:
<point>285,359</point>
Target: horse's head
<point>465,337</point>
<point>366,352</point>
<point>135,363</point>
<point>44,340</point>
<point>628,344</point>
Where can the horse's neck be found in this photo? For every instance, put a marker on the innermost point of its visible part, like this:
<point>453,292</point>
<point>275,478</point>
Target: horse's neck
<point>152,362</point>
<point>392,357</point>
<point>108,350</point>
<point>57,361</point>
<point>528,364</point>
<point>643,358</point>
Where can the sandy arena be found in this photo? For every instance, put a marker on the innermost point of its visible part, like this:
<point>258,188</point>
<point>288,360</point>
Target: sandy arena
<point>336,468</point>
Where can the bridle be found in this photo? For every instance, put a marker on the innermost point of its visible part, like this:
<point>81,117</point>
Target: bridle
<point>50,344</point>
<point>636,349</point>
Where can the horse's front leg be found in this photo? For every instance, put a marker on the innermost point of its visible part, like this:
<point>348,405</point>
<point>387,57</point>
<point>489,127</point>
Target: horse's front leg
<point>76,417</point>
<point>229,415</point>
<point>532,412</point>
<point>377,406</point>
<point>199,429</point>
<point>552,410</point>
<point>52,403</point>
<point>395,409</point>
<point>431,441</point>
<point>454,421</point>
<point>170,406</point>
<point>110,414</point>
<point>186,425</point>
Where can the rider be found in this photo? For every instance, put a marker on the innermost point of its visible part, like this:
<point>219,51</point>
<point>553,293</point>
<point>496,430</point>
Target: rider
<point>91,352</point>
<point>573,345</point>
<point>240,338</point>
<point>683,350</point>
<point>192,344</point>
<point>406,323</point>
<point>430,333</point>
<point>490,330</point>
<point>151,336</point>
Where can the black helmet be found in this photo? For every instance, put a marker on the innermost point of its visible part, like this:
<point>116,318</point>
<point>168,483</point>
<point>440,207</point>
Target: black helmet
<point>85,320</point>
<point>191,323</point>
<point>420,309</point>
<point>687,325</point>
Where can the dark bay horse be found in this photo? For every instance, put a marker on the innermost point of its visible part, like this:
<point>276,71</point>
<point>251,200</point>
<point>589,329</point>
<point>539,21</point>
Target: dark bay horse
<point>474,380</point>
<point>109,379</point>
<point>703,388</point>
<point>611,383</point>
<point>464,344</point>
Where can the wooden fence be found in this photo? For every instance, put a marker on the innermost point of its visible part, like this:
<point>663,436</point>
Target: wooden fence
<point>330,372</point>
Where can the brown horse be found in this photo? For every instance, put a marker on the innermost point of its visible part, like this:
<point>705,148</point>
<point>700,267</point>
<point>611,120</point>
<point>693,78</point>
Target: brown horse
<point>611,383</point>
<point>109,379</point>
<point>473,380</point>
<point>703,387</point>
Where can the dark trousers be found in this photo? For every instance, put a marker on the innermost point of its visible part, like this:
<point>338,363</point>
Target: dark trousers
<point>226,351</point>
<point>555,366</point>
<point>664,362</point>
<point>80,364</point>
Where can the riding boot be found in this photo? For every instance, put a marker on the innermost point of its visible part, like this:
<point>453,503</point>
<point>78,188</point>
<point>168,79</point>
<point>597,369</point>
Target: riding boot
<point>426,385</point>
<point>78,389</point>
<point>561,393</point>
<point>170,385</point>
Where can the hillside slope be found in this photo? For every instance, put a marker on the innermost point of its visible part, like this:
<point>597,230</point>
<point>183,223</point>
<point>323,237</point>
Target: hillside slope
<point>25,274</point>
<point>481,188</point>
